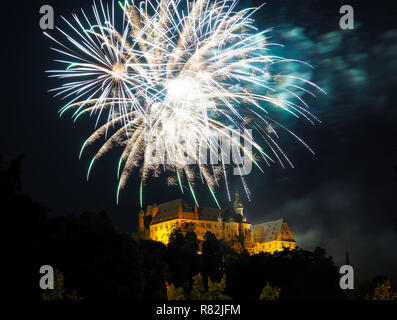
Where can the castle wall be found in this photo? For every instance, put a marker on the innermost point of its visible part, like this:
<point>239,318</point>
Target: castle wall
<point>222,230</point>
<point>269,237</point>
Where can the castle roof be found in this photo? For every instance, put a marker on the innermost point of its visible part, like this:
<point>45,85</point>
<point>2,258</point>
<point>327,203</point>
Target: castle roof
<point>208,213</point>
<point>267,231</point>
<point>179,208</point>
<point>170,210</point>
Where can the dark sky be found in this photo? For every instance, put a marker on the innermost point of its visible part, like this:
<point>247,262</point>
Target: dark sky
<point>342,198</point>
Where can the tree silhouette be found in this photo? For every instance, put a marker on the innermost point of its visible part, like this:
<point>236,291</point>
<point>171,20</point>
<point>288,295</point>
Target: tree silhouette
<point>175,293</point>
<point>216,290</point>
<point>270,293</point>
<point>383,291</point>
<point>58,293</point>
<point>198,288</point>
<point>212,262</point>
<point>302,275</point>
<point>182,257</point>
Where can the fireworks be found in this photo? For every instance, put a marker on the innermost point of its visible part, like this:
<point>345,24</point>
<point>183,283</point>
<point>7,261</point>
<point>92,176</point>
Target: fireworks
<point>169,79</point>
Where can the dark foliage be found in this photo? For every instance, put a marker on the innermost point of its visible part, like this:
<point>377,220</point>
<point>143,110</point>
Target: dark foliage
<point>301,274</point>
<point>212,257</point>
<point>182,257</point>
<point>97,261</point>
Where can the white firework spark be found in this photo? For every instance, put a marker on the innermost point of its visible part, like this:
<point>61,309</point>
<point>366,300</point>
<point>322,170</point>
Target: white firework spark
<point>177,73</point>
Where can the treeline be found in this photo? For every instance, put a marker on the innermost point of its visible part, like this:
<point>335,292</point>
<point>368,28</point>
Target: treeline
<point>95,262</point>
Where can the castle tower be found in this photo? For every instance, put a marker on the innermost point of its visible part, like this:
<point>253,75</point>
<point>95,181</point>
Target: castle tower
<point>196,213</point>
<point>141,220</point>
<point>237,205</point>
<point>155,209</point>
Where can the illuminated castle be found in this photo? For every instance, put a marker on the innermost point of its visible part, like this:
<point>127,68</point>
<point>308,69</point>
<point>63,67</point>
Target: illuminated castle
<point>228,224</point>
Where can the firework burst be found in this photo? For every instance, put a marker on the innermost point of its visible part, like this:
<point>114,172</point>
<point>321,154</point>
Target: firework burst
<point>170,78</point>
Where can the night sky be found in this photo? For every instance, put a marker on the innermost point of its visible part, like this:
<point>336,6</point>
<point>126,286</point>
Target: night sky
<point>343,198</point>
